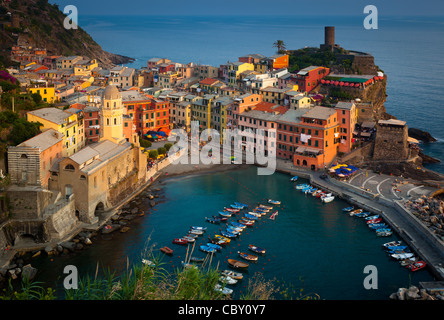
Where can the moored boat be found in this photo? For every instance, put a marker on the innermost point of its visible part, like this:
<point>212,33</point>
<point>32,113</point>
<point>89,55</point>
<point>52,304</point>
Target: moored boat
<point>198,228</point>
<point>197,259</point>
<point>189,239</point>
<point>250,216</point>
<point>225,214</point>
<point>188,265</point>
<point>232,210</point>
<point>241,204</point>
<point>246,222</point>
<point>374,221</point>
<point>401,256</point>
<point>195,231</point>
<point>352,213</point>
<point>348,209</point>
<point>302,186</point>
<point>218,236</point>
<point>237,264</point>
<point>295,178</point>
<point>247,256</point>
<point>223,290</point>
<point>233,274</point>
<point>273,215</point>
<point>207,249</point>
<point>415,266</point>
<point>227,280</point>
<point>256,249</point>
<point>180,241</point>
<point>148,262</point>
<point>166,250</point>
<point>273,201</point>
<point>265,206</point>
<point>392,243</point>
<point>327,199</point>
<point>376,216</point>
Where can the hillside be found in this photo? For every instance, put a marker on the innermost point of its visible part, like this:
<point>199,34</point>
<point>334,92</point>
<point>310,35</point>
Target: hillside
<point>40,24</point>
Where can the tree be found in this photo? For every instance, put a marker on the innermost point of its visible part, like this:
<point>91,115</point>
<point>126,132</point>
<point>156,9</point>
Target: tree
<point>280,45</point>
<point>153,154</point>
<point>145,143</point>
<point>162,150</point>
<point>168,145</point>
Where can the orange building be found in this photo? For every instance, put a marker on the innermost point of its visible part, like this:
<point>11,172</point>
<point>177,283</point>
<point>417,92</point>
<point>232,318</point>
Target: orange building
<point>278,61</point>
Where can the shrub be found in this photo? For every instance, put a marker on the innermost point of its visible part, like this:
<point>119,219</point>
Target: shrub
<point>162,150</point>
<point>168,146</point>
<point>153,154</point>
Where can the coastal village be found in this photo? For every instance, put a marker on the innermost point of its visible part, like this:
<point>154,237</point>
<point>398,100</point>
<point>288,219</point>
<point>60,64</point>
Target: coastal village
<point>104,130</point>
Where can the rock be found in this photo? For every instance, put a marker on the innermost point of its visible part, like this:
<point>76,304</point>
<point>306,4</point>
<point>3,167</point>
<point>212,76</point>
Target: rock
<point>115,217</point>
<point>152,203</point>
<point>124,229</point>
<point>69,245</point>
<point>79,246</point>
<point>49,249</point>
<point>29,272</point>
<point>87,241</point>
<point>401,294</point>
<point>110,228</point>
<point>420,135</point>
<point>12,274</point>
<point>134,210</point>
<point>130,217</point>
<point>59,248</point>
<point>393,296</point>
<point>412,293</point>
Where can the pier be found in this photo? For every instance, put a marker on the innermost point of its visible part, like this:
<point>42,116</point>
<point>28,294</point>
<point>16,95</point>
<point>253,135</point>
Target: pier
<point>410,229</point>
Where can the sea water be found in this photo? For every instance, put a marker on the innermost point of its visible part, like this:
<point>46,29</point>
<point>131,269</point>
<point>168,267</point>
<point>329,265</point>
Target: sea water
<point>310,246</point>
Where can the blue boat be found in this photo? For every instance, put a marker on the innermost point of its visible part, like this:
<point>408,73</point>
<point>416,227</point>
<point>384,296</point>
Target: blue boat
<point>392,248</point>
<point>234,206</point>
<point>376,226</point>
<point>228,234</point>
<point>238,225</point>
<point>241,204</point>
<point>234,230</point>
<point>225,214</point>
<point>295,178</point>
<point>302,186</point>
<point>362,214</point>
<point>348,209</point>
<point>215,246</point>
<point>250,216</point>
<point>207,249</point>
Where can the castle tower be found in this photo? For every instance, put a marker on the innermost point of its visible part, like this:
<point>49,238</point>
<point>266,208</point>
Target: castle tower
<point>329,36</point>
<point>111,115</point>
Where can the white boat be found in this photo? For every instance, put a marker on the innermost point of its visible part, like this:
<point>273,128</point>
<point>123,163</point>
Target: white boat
<point>402,256</point>
<point>232,274</point>
<point>327,199</point>
<point>227,280</point>
<point>295,178</point>
<point>224,290</point>
<point>147,262</point>
<point>274,201</point>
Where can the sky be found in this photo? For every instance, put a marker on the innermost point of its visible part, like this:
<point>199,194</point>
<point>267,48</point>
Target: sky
<point>255,7</point>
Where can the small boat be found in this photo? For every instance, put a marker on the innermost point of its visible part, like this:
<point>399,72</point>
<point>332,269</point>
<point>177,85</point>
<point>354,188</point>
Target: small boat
<point>189,239</point>
<point>197,232</point>
<point>247,256</point>
<point>319,191</point>
<point>232,274</point>
<point>234,229</point>
<point>263,210</point>
<point>302,186</point>
<point>148,262</point>
<point>372,217</point>
<point>376,226</point>
<point>406,262</point>
<point>219,242</point>
<point>212,220</point>
<point>352,213</point>
<point>362,214</point>
<point>219,237</point>
<point>256,214</point>
<point>166,250</point>
<point>418,265</point>
<point>197,260</point>
<point>273,215</point>
<point>207,249</point>
<point>223,290</point>
<point>327,199</point>
<point>265,206</point>
<point>295,178</point>
<point>241,204</point>
<point>398,251</point>
<point>232,210</point>
<point>229,234</point>
<point>198,228</point>
<point>273,201</point>
<point>238,225</point>
<point>374,221</point>
<point>215,246</point>
<point>348,209</point>
<point>225,214</point>
<point>227,280</point>
<point>246,222</point>
<point>234,206</point>
<point>384,233</point>
<point>250,216</point>
<point>256,249</point>
<point>237,264</point>
<point>180,241</point>
<point>392,243</point>
<point>189,265</point>
<point>401,256</point>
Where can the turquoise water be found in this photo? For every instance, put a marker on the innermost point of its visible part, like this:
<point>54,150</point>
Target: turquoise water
<point>309,245</point>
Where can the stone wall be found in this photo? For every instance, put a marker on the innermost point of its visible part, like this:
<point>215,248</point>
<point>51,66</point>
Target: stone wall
<point>28,202</point>
<point>391,143</point>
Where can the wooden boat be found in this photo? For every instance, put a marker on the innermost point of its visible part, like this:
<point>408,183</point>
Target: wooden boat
<point>295,178</point>
<point>180,241</point>
<point>234,206</point>
<point>392,243</point>
<point>265,206</point>
<point>376,226</point>
<point>256,249</point>
<point>189,265</point>
<point>348,209</point>
<point>406,262</point>
<point>238,225</point>
<point>227,280</point>
<point>197,260</point>
<point>250,216</point>
<point>234,229</point>
<point>256,214</point>
<point>223,290</point>
<point>315,194</point>
<point>246,222</point>
<point>376,216</point>
<point>247,256</point>
<point>384,233</point>
<point>232,210</point>
<point>352,213</point>
<point>197,232</point>
<point>232,274</point>
<point>302,186</point>
<point>401,256</point>
<point>240,204</point>
<point>166,250</point>
<point>228,234</point>
<point>362,214</point>
<point>218,236</point>
<point>374,221</point>
<point>273,215</point>
<point>198,228</point>
<point>327,199</point>
<point>207,249</point>
<point>259,209</point>
<point>237,264</point>
<point>189,239</point>
<point>225,214</point>
<point>273,201</point>
<point>215,246</point>
<point>220,242</point>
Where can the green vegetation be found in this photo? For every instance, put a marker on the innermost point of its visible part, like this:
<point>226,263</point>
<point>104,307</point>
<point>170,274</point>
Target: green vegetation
<point>145,282</point>
<point>280,46</point>
<point>306,57</point>
<point>153,154</point>
<point>145,143</point>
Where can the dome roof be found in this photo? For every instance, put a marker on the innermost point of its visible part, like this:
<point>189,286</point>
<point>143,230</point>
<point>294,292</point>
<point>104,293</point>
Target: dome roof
<point>111,93</point>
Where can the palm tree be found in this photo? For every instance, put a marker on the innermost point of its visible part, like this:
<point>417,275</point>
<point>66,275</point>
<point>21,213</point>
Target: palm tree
<point>280,45</point>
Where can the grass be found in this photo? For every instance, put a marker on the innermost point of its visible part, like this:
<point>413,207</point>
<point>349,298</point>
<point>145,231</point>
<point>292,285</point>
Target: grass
<point>153,282</point>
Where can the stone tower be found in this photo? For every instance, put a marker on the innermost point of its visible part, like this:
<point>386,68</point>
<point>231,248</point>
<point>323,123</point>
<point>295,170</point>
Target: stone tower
<point>391,142</point>
<point>111,115</point>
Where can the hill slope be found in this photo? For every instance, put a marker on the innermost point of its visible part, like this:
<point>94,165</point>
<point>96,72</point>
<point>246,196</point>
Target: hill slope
<point>41,25</point>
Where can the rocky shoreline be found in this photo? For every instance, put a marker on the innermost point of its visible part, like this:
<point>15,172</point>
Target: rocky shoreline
<point>414,293</point>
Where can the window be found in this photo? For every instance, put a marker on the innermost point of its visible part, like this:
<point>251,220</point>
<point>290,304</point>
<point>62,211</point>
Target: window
<point>69,167</point>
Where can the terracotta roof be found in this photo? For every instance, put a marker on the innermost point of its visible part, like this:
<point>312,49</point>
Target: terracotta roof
<point>208,81</point>
<point>270,107</point>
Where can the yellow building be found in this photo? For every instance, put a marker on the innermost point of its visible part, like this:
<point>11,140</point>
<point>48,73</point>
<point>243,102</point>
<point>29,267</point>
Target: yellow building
<point>235,69</point>
<point>201,111</point>
<point>111,115</point>
<point>85,67</point>
<point>67,124</point>
<point>47,93</point>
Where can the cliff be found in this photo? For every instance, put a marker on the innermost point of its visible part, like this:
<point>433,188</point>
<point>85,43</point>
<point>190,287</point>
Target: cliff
<point>39,24</point>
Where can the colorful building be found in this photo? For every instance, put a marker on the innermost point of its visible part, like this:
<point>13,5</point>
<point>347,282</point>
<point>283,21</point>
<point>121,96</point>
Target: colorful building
<point>48,94</point>
<point>278,61</point>
<point>235,69</point>
<point>347,119</point>
<point>66,123</point>
<point>308,78</point>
